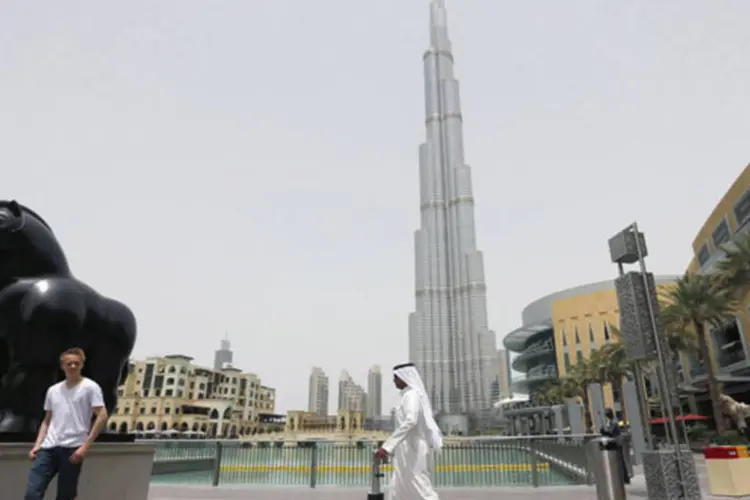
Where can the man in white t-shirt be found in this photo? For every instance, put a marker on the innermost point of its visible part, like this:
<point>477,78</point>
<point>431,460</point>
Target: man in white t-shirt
<point>66,432</point>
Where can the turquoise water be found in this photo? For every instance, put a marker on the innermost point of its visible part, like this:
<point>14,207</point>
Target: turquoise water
<point>351,466</point>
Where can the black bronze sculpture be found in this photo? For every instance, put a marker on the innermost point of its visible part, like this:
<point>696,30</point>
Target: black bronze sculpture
<point>45,310</point>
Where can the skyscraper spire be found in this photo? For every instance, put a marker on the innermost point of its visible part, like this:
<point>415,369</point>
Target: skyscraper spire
<point>439,25</point>
<point>449,339</point>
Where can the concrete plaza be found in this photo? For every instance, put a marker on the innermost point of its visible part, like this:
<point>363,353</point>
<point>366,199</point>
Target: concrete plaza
<point>636,490</point>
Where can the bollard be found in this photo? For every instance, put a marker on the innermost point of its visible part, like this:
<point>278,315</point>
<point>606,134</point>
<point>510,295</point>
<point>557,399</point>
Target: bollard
<point>376,494</point>
<point>607,469</point>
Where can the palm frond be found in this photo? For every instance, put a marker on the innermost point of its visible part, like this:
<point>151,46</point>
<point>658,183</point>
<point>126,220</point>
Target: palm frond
<point>696,299</point>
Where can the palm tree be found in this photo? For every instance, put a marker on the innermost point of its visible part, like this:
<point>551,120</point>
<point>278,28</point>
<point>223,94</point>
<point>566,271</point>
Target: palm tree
<point>616,369</point>
<point>539,398</point>
<point>579,377</point>
<point>693,303</point>
<point>569,388</point>
<point>552,393</point>
<point>733,271</point>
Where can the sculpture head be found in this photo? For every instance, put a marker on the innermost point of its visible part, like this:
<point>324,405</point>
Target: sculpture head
<point>28,248</point>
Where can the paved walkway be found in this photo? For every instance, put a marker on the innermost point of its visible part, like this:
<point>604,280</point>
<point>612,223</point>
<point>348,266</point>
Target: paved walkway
<point>637,490</point>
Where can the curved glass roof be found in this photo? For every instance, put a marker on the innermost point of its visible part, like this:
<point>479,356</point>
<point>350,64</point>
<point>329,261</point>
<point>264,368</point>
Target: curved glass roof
<point>530,357</point>
<point>517,339</point>
<point>524,384</point>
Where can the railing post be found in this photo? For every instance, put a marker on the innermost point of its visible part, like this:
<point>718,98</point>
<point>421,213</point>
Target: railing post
<point>534,464</point>
<point>217,464</point>
<point>314,465</point>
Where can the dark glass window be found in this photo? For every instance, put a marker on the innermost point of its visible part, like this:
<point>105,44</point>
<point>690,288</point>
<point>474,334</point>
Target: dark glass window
<point>721,234</point>
<point>742,210</point>
<point>703,255</point>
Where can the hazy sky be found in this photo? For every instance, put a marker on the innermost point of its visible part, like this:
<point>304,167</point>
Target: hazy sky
<point>250,167</point>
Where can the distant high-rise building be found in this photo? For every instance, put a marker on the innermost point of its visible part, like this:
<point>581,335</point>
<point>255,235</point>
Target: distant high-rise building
<point>318,392</point>
<point>223,357</point>
<point>374,392</point>
<point>352,396</point>
<point>449,338</point>
<point>501,385</point>
<point>344,380</point>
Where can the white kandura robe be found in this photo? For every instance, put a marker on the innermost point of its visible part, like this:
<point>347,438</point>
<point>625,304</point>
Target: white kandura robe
<point>408,446</point>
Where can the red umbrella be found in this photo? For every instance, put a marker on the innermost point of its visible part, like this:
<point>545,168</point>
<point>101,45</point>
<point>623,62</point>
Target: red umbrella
<point>691,417</point>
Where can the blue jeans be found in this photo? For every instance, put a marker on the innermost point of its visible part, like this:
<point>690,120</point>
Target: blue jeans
<point>48,463</point>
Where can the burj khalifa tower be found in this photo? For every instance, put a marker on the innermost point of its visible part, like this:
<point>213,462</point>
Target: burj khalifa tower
<point>449,339</point>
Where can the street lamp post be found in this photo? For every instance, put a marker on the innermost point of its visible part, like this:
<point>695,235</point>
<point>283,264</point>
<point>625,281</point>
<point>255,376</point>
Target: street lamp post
<point>636,291</point>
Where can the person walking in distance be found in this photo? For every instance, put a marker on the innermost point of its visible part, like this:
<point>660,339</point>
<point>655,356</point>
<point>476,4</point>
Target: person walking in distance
<point>66,433</point>
<point>415,439</point>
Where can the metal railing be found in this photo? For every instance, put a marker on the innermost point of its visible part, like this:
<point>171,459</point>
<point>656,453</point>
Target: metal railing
<point>467,462</point>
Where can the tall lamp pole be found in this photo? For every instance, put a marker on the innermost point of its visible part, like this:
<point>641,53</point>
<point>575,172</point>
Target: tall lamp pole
<point>642,339</point>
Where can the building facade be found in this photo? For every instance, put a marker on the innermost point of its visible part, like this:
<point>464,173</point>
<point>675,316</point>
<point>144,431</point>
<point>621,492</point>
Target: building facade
<point>501,384</point>
<point>561,329</point>
<point>171,394</point>
<point>317,398</point>
<point>449,337</point>
<point>343,422</point>
<point>728,345</point>
<point>374,406</point>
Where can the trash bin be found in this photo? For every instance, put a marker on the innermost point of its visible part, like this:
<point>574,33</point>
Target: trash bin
<point>375,492</point>
<point>607,469</point>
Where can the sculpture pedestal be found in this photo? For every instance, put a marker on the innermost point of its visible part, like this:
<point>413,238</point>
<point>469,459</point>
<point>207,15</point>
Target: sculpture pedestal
<point>111,471</point>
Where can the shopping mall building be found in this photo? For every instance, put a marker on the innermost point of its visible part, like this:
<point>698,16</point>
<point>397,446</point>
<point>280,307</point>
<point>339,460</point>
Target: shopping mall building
<point>730,218</point>
<point>558,331</point>
<point>562,328</point>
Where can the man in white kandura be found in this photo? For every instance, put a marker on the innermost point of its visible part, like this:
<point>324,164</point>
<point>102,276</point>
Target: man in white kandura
<point>417,436</point>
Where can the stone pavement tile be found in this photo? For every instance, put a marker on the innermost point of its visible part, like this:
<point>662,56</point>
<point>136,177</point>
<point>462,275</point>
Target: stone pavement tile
<point>159,492</point>
<point>636,490</point>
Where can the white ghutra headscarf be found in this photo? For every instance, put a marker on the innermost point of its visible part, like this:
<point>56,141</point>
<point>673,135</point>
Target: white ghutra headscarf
<point>410,376</point>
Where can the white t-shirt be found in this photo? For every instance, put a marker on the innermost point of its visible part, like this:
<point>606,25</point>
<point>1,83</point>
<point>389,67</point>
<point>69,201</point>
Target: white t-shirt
<point>72,410</point>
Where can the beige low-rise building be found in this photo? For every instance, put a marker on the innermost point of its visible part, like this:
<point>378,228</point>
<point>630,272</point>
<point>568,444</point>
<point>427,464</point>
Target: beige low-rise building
<point>172,395</point>
<point>344,422</point>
